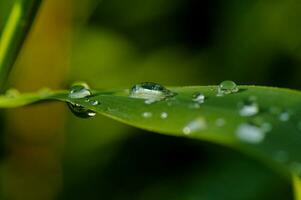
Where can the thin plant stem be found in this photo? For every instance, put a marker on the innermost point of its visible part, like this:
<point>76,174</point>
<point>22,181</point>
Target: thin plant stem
<point>14,33</point>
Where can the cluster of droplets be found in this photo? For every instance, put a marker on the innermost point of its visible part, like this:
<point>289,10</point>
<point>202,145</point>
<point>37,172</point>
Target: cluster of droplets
<point>154,92</point>
<point>81,91</point>
<point>254,131</point>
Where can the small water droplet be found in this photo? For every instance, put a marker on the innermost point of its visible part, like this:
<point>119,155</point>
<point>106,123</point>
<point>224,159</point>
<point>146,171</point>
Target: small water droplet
<point>78,91</point>
<point>12,93</point>
<point>94,102</point>
<point>249,109</point>
<point>198,124</point>
<point>266,127</point>
<point>147,114</point>
<point>220,122</point>
<point>284,116</point>
<point>227,87</point>
<point>198,97</point>
<point>164,115</point>
<point>151,92</point>
<point>250,133</point>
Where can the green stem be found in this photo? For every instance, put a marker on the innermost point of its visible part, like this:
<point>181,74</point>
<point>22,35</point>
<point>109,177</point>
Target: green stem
<point>297,187</point>
<point>14,33</point>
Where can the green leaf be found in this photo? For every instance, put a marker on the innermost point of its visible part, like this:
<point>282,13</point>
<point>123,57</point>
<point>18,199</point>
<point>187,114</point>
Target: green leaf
<point>272,135</point>
<point>14,33</point>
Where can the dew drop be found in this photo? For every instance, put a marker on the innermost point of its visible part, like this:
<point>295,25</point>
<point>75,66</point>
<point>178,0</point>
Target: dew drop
<point>227,87</point>
<point>151,92</point>
<point>249,109</point>
<point>266,127</point>
<point>220,122</point>
<point>250,133</point>
<point>198,124</point>
<point>79,91</point>
<point>12,93</point>
<point>198,97</point>
<point>147,114</point>
<point>284,116</point>
<point>94,102</point>
<point>164,115</point>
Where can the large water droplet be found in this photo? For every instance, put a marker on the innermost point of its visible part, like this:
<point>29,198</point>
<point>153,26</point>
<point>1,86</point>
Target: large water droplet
<point>151,92</point>
<point>198,124</point>
<point>227,87</point>
<point>250,133</point>
<point>198,97</point>
<point>79,91</point>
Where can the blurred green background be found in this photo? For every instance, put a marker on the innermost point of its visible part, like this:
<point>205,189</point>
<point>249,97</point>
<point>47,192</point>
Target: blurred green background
<point>47,153</point>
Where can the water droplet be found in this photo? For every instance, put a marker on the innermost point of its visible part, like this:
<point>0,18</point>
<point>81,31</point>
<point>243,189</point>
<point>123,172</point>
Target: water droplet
<point>198,124</point>
<point>147,114</point>
<point>12,93</point>
<point>281,156</point>
<point>220,122</point>
<point>94,102</point>
<point>151,92</point>
<point>164,115</point>
<point>266,127</point>
<point>198,97</point>
<point>250,133</point>
<point>249,109</point>
<point>227,87</point>
<point>284,116</point>
<point>78,91</point>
